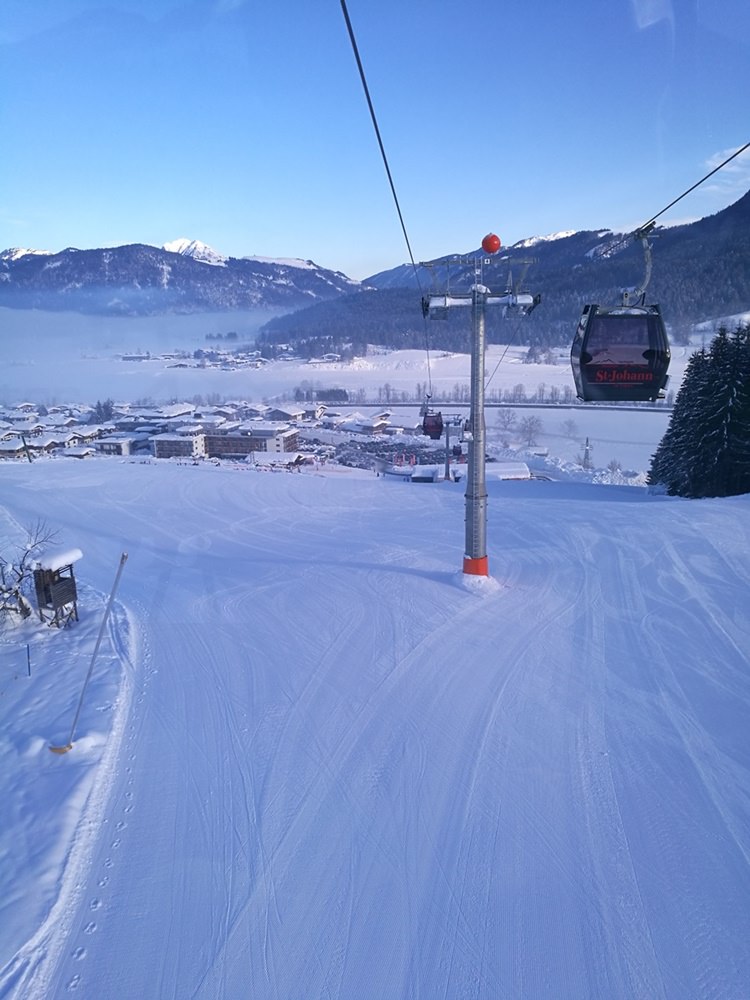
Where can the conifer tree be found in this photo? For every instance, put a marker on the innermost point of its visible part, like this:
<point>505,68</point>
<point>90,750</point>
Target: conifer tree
<point>671,463</point>
<point>733,463</point>
<point>706,449</point>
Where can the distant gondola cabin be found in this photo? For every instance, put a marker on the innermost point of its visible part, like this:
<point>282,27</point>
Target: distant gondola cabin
<point>432,425</point>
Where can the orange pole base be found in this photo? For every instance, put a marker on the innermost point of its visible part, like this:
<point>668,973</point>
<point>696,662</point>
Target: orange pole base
<point>477,567</point>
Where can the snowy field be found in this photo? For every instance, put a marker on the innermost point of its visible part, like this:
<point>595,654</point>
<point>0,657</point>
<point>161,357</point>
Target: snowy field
<point>313,762</point>
<point>54,358</point>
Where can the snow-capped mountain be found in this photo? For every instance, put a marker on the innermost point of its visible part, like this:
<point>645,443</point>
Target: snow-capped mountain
<point>550,238</point>
<point>196,250</point>
<point>182,276</point>
<point>15,253</point>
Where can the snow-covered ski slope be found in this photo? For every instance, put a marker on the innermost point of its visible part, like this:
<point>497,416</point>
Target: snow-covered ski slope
<point>335,770</point>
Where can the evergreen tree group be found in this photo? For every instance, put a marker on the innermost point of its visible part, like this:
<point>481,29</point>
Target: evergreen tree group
<point>706,449</point>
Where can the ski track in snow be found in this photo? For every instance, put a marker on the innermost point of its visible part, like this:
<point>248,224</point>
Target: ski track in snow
<point>31,971</point>
<point>343,774</point>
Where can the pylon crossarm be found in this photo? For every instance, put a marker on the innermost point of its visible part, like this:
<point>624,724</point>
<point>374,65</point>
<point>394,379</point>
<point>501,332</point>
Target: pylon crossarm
<point>458,301</point>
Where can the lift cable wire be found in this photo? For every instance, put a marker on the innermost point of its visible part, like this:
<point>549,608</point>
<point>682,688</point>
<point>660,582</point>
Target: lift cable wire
<point>646,228</point>
<point>512,337</point>
<point>653,218</point>
<point>366,89</point>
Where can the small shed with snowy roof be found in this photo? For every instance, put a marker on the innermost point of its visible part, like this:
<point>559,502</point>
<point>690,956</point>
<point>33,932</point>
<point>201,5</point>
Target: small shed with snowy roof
<point>508,470</point>
<point>55,585</point>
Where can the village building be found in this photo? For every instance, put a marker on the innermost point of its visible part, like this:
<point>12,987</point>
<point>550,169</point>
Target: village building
<point>179,445</point>
<point>272,436</point>
<point>231,445</point>
<point>13,447</point>
<point>29,428</point>
<point>86,433</point>
<point>252,437</point>
<point>508,470</point>
<point>122,444</point>
<point>228,411</point>
<point>256,411</point>
<point>359,424</point>
<point>314,411</point>
<point>177,410</point>
<point>426,474</point>
<point>332,419</point>
<point>290,414</point>
<point>51,441</point>
<point>212,421</point>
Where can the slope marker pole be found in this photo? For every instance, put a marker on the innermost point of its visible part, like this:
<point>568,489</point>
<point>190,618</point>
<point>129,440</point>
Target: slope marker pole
<point>69,745</point>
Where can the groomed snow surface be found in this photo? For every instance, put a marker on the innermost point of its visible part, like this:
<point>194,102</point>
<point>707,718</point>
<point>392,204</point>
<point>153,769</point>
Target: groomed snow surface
<point>313,762</point>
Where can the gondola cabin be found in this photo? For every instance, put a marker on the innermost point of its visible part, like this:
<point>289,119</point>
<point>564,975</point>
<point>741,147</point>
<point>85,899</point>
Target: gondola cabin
<point>620,354</point>
<point>432,425</point>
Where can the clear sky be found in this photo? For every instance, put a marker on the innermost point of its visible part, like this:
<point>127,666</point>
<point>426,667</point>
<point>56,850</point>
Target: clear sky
<point>243,123</point>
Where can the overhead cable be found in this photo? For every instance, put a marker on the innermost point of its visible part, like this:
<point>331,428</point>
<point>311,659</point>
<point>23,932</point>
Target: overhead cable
<point>373,116</point>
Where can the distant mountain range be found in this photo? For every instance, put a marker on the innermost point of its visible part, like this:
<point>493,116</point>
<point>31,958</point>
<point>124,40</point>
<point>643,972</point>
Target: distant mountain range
<point>184,276</point>
<point>701,271</point>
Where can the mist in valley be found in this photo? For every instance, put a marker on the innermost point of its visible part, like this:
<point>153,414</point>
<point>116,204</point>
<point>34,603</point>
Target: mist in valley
<point>50,357</point>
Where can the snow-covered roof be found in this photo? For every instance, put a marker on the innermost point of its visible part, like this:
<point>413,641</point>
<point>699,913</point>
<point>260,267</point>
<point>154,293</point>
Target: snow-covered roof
<point>429,473</point>
<point>262,427</point>
<point>177,409</point>
<point>508,470</point>
<point>12,444</point>
<point>58,559</point>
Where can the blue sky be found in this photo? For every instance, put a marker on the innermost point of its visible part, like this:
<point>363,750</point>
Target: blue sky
<point>243,123</point>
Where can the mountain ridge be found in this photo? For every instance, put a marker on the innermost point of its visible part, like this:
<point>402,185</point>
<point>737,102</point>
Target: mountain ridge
<point>185,276</point>
<point>701,271</point>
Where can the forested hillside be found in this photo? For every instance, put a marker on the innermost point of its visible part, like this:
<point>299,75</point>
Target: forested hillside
<point>701,271</point>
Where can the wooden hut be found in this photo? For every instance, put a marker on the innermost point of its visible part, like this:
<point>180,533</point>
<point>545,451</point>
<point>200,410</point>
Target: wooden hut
<point>54,580</point>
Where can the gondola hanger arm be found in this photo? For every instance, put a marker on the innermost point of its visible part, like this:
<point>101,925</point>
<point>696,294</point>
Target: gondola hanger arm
<point>636,296</point>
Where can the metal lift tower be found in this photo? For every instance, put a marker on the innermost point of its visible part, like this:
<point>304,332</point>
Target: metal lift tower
<point>478,298</point>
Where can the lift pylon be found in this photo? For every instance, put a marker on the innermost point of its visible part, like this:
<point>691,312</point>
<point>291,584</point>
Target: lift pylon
<point>478,298</point>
